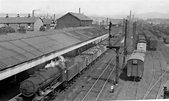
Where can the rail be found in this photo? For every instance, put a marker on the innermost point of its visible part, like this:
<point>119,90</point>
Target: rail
<point>98,80</point>
<point>150,88</point>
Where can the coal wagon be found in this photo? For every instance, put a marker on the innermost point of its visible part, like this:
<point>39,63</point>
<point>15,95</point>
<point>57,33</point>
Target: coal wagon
<point>152,44</point>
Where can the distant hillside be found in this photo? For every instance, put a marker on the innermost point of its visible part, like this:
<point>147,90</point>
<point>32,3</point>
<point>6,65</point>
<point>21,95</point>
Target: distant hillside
<point>152,15</point>
<point>158,21</point>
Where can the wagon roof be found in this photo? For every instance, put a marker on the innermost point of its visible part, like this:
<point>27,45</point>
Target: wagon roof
<point>138,56</point>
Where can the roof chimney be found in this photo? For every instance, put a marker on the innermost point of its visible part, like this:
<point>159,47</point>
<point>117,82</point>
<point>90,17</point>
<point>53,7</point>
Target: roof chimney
<point>29,15</point>
<point>47,16</point>
<point>7,16</point>
<point>54,16</point>
<point>107,22</point>
<point>79,10</point>
<point>18,15</point>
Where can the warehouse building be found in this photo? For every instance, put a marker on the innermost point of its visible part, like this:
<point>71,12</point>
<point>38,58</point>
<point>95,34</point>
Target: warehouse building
<point>73,20</point>
<point>29,23</point>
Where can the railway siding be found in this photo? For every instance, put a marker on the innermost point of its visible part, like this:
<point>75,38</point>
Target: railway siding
<point>154,77</point>
<point>106,93</point>
<point>150,87</point>
<point>159,71</point>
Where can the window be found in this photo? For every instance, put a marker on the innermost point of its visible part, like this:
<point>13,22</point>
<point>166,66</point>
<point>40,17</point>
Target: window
<point>135,62</point>
<point>18,26</point>
<point>29,25</point>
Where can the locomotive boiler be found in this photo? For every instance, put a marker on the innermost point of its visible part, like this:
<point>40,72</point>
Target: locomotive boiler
<point>41,79</point>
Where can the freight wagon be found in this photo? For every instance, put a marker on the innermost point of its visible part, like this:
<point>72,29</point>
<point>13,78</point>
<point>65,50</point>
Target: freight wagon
<point>59,73</point>
<point>152,44</point>
<point>135,64</point>
<point>141,46</point>
<point>141,43</point>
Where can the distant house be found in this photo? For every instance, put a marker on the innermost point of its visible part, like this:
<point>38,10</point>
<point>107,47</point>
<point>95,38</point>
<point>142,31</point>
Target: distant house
<point>47,23</point>
<point>30,23</point>
<point>73,20</point>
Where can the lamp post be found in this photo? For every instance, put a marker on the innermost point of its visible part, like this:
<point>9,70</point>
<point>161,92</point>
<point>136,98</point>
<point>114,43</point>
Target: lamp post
<point>116,50</point>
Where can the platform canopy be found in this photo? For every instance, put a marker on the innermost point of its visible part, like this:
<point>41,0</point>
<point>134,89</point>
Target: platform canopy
<point>16,48</point>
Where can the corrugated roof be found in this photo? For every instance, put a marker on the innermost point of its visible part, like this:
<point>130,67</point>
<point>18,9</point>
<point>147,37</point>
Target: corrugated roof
<point>18,48</point>
<point>15,20</point>
<point>80,16</point>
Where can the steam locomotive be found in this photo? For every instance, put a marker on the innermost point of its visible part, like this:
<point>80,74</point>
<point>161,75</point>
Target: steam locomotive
<point>57,74</point>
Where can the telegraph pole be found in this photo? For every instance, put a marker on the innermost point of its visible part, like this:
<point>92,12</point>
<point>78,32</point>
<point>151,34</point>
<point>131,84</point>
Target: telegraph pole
<point>116,50</point>
<point>125,41</point>
<point>134,35</point>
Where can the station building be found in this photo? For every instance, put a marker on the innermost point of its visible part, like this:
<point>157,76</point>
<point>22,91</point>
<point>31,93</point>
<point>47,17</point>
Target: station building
<point>73,20</point>
<point>30,23</point>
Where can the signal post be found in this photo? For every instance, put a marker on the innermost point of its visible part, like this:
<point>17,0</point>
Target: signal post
<point>117,52</point>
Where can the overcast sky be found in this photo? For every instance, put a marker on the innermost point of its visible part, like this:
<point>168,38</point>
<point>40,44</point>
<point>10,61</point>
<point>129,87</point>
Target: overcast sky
<point>88,7</point>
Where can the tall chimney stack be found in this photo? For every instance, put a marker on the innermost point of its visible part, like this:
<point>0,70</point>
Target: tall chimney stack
<point>33,13</point>
<point>130,15</point>
<point>54,16</point>
<point>107,22</point>
<point>79,11</point>
<point>47,16</point>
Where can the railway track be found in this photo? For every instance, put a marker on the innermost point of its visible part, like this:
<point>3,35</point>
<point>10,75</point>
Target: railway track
<point>156,80</point>
<point>131,91</point>
<point>76,85</point>
<point>75,93</point>
<point>97,82</point>
<point>164,81</point>
<point>96,86</point>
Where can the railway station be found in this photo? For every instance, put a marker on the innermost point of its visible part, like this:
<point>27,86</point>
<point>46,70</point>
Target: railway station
<point>78,56</point>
